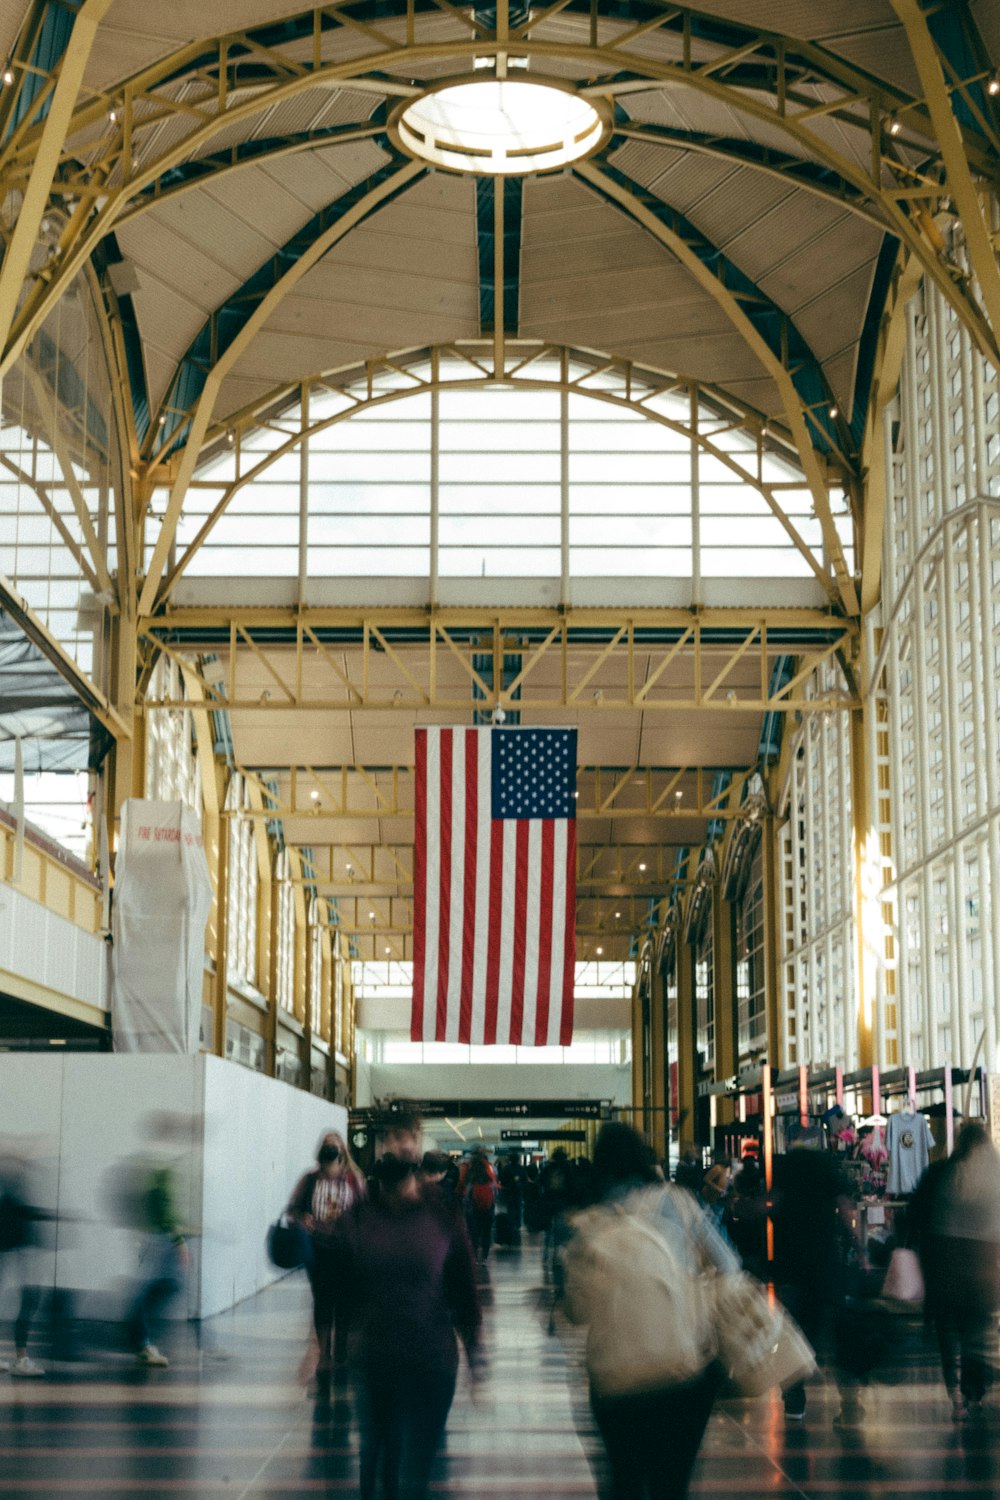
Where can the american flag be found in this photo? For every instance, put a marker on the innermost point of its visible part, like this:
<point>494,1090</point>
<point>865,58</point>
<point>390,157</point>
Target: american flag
<point>494,921</point>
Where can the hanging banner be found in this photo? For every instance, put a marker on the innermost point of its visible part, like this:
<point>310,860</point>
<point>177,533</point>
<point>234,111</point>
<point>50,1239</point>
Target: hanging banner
<point>162,897</point>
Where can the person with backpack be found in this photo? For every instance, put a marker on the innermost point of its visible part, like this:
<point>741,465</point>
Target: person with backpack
<point>321,1198</point>
<point>635,1271</point>
<point>480,1199</point>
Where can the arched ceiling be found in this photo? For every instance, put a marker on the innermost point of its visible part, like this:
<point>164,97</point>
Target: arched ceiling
<point>227,173</point>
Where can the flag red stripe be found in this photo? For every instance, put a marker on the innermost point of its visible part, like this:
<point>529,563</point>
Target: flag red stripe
<point>469,882</point>
<point>419,885</point>
<point>569,950</point>
<point>444,888</point>
<point>493,934</point>
<point>520,933</point>
<point>545,934</point>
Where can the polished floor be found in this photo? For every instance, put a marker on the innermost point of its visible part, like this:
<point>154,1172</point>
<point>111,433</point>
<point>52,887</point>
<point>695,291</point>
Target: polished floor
<point>254,1424</point>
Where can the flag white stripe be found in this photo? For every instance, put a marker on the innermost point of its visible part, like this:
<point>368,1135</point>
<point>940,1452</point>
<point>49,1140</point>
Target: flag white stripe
<point>433,877</point>
<point>484,806</point>
<point>533,919</point>
<point>558,932</point>
<point>456,923</point>
<point>507,930</point>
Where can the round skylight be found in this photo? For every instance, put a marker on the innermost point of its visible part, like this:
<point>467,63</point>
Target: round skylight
<point>500,127</point>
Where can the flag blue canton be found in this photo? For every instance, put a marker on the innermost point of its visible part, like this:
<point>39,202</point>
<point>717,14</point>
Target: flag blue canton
<point>534,773</point>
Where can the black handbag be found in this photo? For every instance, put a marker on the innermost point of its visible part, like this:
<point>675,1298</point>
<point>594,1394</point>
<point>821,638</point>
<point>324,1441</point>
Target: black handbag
<point>286,1244</point>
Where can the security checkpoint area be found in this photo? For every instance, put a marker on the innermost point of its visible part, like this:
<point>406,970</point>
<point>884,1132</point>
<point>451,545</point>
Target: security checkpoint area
<point>499,619</point>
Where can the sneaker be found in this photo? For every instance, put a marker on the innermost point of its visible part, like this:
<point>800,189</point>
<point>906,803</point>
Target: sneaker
<point>152,1357</point>
<point>27,1368</point>
<point>795,1416</point>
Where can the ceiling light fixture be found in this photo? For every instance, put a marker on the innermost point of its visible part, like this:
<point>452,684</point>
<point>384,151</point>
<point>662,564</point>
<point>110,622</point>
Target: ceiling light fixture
<point>8,75</point>
<point>894,126</point>
<point>499,127</point>
<point>992,88</point>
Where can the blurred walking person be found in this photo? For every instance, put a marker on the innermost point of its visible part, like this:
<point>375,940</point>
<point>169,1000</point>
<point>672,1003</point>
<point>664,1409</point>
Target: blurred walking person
<point>636,1273</point>
<point>480,1185</point>
<point>19,1220</point>
<point>409,1270</point>
<point>162,1264</point>
<point>321,1198</point>
<point>955,1218</point>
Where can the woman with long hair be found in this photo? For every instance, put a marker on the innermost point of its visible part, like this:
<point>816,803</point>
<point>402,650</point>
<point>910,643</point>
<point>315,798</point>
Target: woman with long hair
<point>321,1198</point>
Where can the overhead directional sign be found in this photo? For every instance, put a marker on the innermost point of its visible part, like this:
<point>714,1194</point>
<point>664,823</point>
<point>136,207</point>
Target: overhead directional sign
<point>543,1135</point>
<point>500,1109</point>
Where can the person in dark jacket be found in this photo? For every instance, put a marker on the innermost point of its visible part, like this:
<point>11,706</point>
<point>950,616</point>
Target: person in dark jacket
<point>409,1270</point>
<point>745,1220</point>
<point>954,1218</point>
<point>811,1241</point>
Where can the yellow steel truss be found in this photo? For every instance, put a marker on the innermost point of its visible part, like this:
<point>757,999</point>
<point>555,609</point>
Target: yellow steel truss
<point>659,660</point>
<point>107,154</point>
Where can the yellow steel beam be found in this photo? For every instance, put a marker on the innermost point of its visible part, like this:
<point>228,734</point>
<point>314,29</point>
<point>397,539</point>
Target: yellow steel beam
<point>45,159</point>
<point>862,103</point>
<point>202,414</point>
<point>360,798</point>
<point>958,181</point>
<point>874,457</point>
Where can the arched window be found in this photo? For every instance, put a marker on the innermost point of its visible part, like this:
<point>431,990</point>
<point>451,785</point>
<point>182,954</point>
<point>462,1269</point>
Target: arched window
<point>243,887</point>
<point>572,472</point>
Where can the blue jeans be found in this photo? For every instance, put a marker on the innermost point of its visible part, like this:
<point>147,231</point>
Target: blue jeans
<point>162,1273</point>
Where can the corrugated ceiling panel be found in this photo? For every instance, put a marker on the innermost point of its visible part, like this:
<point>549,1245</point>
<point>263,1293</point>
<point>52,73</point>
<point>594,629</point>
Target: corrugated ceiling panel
<point>681,181</point>
<point>659,107</point>
<point>884,53</point>
<point>812,20</point>
<point>797,278</point>
<point>167,257</point>
<point>364,332</point>
<point>833,323</point>
<point>152,32</point>
<point>326,291</point>
<point>778,235</point>
<point>12,14</point>
<point>254,197</point>
<point>986,14</point>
